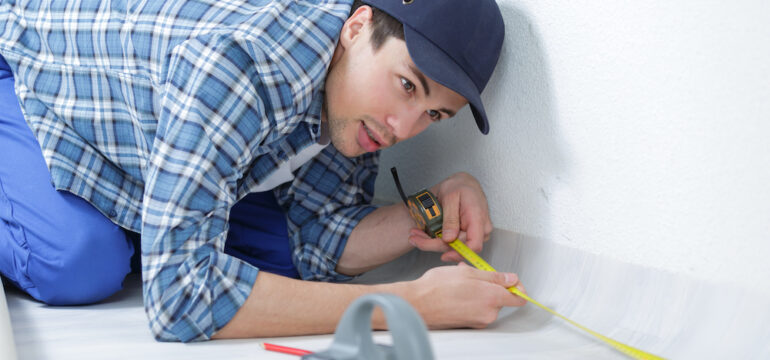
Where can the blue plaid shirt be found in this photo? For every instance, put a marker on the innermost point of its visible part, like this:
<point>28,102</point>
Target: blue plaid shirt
<point>163,114</point>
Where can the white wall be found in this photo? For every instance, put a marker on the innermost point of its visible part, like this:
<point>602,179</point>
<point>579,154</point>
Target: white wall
<point>634,130</point>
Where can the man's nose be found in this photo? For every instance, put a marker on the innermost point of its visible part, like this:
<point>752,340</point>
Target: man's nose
<point>404,123</point>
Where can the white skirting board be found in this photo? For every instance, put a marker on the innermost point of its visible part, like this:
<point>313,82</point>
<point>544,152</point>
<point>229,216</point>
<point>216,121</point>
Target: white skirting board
<point>667,314</point>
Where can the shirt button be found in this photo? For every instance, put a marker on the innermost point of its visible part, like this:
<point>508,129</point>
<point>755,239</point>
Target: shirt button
<point>113,213</point>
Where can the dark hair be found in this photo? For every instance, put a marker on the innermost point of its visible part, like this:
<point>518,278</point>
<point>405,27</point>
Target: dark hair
<point>383,25</point>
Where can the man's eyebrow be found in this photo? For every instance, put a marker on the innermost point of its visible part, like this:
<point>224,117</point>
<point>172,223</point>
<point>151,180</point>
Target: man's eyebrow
<point>420,77</point>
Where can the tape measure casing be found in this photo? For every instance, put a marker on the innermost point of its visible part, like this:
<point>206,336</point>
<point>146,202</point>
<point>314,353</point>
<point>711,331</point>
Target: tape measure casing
<point>426,211</point>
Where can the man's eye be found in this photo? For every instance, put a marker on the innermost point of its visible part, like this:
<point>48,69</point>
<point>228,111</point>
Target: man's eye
<point>408,86</point>
<point>435,115</point>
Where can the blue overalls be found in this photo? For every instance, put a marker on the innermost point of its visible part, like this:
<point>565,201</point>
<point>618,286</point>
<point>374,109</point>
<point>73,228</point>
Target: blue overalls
<point>62,251</point>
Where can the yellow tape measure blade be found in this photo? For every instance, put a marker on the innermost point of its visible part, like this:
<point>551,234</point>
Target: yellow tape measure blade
<point>479,263</point>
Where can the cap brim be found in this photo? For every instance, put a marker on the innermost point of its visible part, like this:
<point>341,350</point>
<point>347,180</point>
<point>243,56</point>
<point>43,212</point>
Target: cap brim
<point>437,65</point>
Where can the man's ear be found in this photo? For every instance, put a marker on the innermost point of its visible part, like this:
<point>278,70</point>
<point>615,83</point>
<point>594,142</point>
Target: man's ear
<point>355,25</point>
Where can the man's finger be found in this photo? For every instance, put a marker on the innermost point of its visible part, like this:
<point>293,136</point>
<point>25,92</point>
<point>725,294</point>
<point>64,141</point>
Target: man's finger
<point>515,300</point>
<point>475,235</point>
<point>487,230</point>
<point>503,279</point>
<point>451,255</point>
<point>428,244</point>
<point>451,207</point>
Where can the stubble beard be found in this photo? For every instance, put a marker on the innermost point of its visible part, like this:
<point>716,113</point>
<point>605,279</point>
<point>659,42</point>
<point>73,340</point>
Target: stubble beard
<point>337,128</point>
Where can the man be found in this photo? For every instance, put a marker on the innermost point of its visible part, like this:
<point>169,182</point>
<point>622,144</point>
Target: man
<point>202,125</point>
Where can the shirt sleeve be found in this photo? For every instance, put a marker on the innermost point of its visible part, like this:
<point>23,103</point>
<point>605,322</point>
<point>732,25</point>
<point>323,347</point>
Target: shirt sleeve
<point>211,122</point>
<point>328,197</point>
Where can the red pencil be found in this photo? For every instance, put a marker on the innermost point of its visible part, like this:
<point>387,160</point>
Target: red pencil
<point>284,349</point>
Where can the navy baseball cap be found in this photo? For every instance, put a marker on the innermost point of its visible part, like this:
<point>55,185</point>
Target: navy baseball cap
<point>454,42</point>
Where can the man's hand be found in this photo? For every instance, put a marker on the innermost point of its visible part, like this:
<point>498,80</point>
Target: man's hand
<point>466,217</point>
<point>382,235</point>
<point>461,296</point>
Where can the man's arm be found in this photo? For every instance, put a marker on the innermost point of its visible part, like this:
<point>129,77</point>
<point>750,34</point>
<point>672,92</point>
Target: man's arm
<point>281,306</point>
<point>378,238</point>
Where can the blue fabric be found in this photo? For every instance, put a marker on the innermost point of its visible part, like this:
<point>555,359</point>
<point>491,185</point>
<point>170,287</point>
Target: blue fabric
<point>163,114</point>
<point>58,248</point>
<point>53,245</point>
<point>258,234</point>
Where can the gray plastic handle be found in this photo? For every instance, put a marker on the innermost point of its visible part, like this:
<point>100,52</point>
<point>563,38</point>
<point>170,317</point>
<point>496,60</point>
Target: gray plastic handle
<point>353,337</point>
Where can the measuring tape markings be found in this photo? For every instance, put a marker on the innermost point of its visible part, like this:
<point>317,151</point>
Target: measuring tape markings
<point>479,263</point>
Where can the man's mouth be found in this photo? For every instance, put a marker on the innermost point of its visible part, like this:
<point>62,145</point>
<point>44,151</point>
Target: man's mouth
<point>367,139</point>
<point>371,135</point>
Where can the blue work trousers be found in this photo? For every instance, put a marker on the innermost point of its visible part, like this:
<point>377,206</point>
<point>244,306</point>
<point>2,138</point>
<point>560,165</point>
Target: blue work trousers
<point>62,251</point>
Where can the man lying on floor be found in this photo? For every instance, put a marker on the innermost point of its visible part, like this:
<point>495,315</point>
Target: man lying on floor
<point>203,128</point>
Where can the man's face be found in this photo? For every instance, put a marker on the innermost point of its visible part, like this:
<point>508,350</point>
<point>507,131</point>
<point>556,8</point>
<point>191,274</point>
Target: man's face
<point>375,99</point>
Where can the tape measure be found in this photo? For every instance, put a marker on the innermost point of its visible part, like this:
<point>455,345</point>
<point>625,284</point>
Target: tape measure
<point>426,211</point>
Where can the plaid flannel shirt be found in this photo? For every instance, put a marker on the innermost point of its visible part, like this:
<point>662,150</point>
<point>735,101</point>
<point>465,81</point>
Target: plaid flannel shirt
<point>162,114</point>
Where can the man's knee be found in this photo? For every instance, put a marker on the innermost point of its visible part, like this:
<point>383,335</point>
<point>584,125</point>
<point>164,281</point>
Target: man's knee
<point>87,264</point>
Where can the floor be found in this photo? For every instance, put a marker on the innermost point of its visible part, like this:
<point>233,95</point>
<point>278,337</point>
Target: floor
<point>659,312</point>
